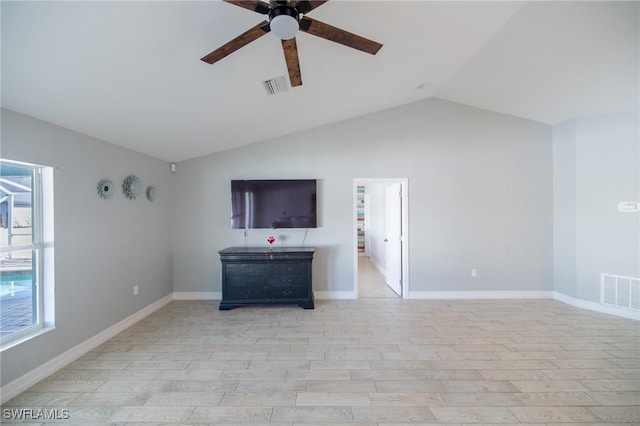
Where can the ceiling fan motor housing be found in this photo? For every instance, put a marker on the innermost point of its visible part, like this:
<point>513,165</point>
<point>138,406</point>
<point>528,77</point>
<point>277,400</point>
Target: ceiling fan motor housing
<point>284,20</point>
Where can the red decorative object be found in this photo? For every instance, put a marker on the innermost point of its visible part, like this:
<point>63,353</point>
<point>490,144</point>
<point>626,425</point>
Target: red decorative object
<point>271,240</point>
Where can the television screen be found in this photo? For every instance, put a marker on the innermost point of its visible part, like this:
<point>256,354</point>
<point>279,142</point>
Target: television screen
<point>273,204</point>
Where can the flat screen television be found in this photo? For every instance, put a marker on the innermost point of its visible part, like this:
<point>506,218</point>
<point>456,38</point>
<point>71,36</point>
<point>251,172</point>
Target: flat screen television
<point>273,204</point>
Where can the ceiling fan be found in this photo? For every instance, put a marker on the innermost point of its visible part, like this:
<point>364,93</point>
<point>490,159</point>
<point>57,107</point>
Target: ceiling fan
<point>285,19</point>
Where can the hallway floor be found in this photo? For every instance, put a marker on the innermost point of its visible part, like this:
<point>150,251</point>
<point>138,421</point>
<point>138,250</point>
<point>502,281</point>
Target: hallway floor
<point>371,282</point>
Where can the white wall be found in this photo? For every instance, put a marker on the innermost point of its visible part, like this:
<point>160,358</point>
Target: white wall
<point>102,247</point>
<point>378,250</point>
<point>480,188</point>
<point>596,165</point>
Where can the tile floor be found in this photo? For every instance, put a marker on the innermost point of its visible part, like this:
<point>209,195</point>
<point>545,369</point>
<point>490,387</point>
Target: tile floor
<point>368,361</point>
<point>371,282</point>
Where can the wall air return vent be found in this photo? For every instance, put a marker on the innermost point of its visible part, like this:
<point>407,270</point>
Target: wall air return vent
<point>275,85</point>
<point>620,291</point>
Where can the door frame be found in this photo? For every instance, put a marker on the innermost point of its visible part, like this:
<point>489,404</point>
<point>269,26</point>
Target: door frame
<point>405,230</point>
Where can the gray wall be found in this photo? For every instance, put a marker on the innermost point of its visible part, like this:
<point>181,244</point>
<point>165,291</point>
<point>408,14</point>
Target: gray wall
<point>102,247</point>
<point>564,208</point>
<point>480,188</point>
<point>596,165</point>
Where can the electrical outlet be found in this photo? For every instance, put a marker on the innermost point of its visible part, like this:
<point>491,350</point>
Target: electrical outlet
<point>136,290</point>
<point>474,273</point>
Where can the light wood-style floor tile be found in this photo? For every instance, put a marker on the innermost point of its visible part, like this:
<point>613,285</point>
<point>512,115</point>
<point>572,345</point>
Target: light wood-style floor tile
<point>98,399</point>
<point>392,414</point>
<point>473,415</point>
<point>231,415</point>
<point>183,399</point>
<point>201,386</point>
<point>132,386</point>
<point>618,414</point>
<point>556,399</point>
<point>613,385</point>
<point>346,399</point>
<point>554,414</point>
<point>616,398</point>
<point>67,386</point>
<point>549,386</point>
<point>479,386</point>
<point>42,399</point>
<point>413,399</point>
<point>481,399</point>
<point>321,415</point>
<point>258,399</point>
<point>341,386</point>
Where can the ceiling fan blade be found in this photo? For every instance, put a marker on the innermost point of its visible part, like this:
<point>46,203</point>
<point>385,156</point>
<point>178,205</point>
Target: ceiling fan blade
<point>306,6</point>
<point>337,35</point>
<point>254,5</point>
<point>290,49</point>
<point>242,40</point>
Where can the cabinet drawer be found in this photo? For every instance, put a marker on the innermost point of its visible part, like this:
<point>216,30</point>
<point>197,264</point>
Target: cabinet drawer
<point>289,269</point>
<point>245,269</point>
<point>287,281</point>
<point>243,293</point>
<point>284,293</point>
<point>244,280</point>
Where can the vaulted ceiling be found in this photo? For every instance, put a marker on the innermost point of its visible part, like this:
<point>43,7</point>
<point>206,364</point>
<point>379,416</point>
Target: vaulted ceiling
<point>130,72</point>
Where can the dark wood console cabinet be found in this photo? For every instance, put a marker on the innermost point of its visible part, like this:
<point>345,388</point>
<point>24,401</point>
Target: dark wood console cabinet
<point>264,276</point>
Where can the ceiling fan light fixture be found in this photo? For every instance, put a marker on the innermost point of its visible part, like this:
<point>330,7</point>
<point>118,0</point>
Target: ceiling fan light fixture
<point>284,22</point>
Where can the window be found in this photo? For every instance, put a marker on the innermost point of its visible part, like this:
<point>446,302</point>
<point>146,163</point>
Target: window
<point>21,250</point>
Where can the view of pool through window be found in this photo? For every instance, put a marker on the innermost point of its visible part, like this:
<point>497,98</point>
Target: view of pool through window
<point>16,301</point>
<point>20,250</point>
<point>15,285</point>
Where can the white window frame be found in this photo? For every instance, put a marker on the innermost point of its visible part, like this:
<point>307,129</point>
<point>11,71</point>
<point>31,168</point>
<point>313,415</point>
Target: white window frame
<point>37,247</point>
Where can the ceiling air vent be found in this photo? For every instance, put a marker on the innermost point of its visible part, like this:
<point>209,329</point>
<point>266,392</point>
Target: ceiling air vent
<point>275,85</point>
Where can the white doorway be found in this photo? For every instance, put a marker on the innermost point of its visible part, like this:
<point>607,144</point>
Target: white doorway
<point>381,230</point>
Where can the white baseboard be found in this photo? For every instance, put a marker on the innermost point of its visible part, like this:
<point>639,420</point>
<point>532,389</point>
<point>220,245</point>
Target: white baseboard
<point>197,295</point>
<point>378,266</point>
<point>480,295</point>
<point>24,382</point>
<point>334,295</point>
<point>216,295</point>
<point>597,307</point>
<point>578,303</point>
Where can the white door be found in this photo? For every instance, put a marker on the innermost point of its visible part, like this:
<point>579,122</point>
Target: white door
<point>393,236</point>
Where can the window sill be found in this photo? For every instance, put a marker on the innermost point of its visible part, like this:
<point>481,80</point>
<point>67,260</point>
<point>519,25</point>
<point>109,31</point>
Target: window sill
<point>19,340</point>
